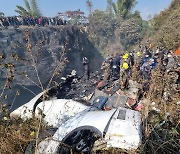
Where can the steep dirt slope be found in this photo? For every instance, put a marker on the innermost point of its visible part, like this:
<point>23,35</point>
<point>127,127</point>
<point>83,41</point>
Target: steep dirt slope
<point>23,48</point>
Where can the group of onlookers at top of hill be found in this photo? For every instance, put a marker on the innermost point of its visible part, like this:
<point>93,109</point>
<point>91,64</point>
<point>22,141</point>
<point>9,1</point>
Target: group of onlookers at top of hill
<point>30,21</point>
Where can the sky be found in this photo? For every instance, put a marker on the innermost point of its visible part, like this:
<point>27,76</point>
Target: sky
<point>50,8</point>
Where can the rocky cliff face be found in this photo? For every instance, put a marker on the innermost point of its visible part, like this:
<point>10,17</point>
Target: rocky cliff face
<point>43,49</point>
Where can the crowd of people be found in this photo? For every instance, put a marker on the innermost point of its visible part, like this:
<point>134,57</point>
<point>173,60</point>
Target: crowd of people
<point>140,65</point>
<point>30,21</point>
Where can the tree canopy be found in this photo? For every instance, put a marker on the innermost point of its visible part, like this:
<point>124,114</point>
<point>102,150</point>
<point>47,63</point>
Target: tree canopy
<point>89,6</point>
<point>31,9</point>
<point>122,8</point>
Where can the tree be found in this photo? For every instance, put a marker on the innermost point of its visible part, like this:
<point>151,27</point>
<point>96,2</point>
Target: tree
<point>101,27</point>
<point>30,10</point>
<point>122,8</point>
<point>109,7</point>
<point>35,8</point>
<point>89,6</point>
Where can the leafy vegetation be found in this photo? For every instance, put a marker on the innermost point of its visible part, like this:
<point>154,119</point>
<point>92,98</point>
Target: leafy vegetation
<point>102,27</point>
<point>120,28</point>
<point>116,28</point>
<point>89,6</point>
<point>122,8</point>
<point>166,26</point>
<point>30,10</point>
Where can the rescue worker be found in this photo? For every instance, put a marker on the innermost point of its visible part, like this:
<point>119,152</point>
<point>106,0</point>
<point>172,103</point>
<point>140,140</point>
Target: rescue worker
<point>124,71</point>
<point>106,68</point>
<point>86,67</point>
<point>137,58</point>
<point>153,63</point>
<point>131,57</point>
<point>150,46</point>
<point>115,67</point>
<point>171,62</point>
<point>146,70</point>
<point>136,67</point>
<point>145,59</point>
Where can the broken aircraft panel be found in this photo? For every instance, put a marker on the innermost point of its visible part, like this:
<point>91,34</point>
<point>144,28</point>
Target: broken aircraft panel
<point>118,127</point>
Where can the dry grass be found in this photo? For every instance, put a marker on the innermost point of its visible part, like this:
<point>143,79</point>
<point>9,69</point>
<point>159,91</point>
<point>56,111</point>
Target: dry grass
<point>16,134</point>
<point>161,119</point>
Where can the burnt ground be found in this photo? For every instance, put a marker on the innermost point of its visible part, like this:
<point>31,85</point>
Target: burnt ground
<point>78,87</point>
<point>86,90</point>
<point>47,47</point>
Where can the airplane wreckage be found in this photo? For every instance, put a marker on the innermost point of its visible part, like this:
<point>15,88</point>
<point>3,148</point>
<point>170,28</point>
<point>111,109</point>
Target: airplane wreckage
<point>99,122</point>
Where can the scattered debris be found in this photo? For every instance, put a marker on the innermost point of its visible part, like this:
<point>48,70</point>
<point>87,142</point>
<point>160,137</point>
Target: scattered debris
<point>99,113</point>
<point>75,119</point>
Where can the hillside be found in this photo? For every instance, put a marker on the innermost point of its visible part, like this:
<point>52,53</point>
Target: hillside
<point>27,54</point>
<point>167,25</point>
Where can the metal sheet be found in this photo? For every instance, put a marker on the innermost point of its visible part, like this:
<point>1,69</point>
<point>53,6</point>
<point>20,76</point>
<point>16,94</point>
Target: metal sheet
<point>97,119</point>
<point>124,132</point>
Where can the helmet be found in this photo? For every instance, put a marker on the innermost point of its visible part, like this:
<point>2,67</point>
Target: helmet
<point>138,53</point>
<point>125,65</point>
<point>125,56</point>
